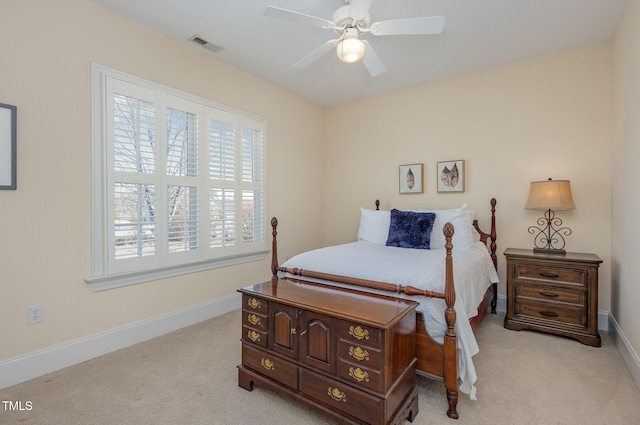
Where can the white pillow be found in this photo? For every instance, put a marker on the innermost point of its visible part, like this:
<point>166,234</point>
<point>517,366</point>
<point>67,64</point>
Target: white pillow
<point>374,226</point>
<point>462,219</point>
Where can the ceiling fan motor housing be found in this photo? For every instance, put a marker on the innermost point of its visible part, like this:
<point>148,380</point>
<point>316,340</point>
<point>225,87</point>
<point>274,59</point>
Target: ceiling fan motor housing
<point>343,20</point>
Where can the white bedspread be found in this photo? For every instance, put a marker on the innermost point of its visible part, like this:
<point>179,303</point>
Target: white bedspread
<point>473,273</point>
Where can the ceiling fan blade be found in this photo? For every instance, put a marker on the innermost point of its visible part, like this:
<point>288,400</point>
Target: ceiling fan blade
<point>421,26</point>
<point>290,15</point>
<point>359,9</point>
<point>316,54</point>
<point>372,61</point>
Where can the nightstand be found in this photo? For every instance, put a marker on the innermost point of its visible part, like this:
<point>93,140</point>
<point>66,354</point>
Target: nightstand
<point>556,294</point>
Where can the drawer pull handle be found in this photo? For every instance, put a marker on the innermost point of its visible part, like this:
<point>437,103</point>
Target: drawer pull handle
<point>358,332</point>
<point>253,319</point>
<point>548,294</point>
<point>303,332</point>
<point>359,354</point>
<point>549,314</point>
<point>253,303</point>
<point>358,374</point>
<point>253,336</point>
<point>268,364</point>
<point>549,275</point>
<point>336,394</point>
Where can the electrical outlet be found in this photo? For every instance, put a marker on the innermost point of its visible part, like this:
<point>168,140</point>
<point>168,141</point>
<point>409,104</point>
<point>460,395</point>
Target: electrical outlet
<point>34,314</point>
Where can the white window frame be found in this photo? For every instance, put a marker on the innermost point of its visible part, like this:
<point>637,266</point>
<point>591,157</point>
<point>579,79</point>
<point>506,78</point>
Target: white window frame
<point>104,275</point>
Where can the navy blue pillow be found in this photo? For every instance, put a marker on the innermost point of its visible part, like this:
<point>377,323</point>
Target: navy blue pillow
<point>410,229</point>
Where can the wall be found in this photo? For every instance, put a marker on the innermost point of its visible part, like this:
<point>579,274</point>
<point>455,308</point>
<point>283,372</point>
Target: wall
<point>548,117</point>
<point>47,51</point>
<point>625,235</point>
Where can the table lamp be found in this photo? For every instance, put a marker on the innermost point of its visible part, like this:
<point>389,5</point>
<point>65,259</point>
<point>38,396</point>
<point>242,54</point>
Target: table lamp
<point>550,196</point>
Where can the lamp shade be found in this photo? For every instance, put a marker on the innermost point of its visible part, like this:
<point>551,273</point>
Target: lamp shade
<point>550,195</point>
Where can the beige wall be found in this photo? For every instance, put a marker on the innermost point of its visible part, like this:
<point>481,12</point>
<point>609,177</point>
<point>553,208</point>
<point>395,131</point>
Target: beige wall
<point>548,117</point>
<point>45,224</point>
<point>625,235</point>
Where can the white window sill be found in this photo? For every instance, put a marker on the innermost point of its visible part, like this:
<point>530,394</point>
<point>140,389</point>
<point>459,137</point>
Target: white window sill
<point>102,283</point>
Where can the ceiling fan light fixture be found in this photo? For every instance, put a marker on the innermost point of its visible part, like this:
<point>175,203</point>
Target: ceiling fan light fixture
<point>350,49</point>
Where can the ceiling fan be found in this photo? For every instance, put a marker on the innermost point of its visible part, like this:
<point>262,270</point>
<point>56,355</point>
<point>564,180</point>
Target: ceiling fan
<point>350,22</point>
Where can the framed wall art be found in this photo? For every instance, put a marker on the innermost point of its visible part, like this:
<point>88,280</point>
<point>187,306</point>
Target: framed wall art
<point>8,155</point>
<point>450,176</point>
<point>411,178</point>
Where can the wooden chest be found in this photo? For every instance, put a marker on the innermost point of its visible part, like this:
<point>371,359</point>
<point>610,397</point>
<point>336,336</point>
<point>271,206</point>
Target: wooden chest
<point>347,353</point>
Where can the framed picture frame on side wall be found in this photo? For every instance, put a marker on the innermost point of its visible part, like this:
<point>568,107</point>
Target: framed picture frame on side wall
<point>8,156</point>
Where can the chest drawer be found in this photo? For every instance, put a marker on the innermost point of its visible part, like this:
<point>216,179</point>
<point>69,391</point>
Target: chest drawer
<point>551,274</point>
<point>269,365</point>
<point>256,305</point>
<point>356,332</point>
<point>342,397</point>
<point>252,335</point>
<point>552,294</point>
<point>361,376</point>
<point>360,354</point>
<point>257,321</point>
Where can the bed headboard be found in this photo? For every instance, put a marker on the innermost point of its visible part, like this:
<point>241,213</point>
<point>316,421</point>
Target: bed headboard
<point>488,239</point>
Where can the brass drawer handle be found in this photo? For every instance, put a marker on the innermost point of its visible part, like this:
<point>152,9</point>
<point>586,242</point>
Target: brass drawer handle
<point>359,354</point>
<point>358,332</point>
<point>336,394</point>
<point>268,364</point>
<point>549,275</point>
<point>253,336</point>
<point>254,303</point>
<point>549,314</point>
<point>358,374</point>
<point>253,319</point>
<point>548,294</point>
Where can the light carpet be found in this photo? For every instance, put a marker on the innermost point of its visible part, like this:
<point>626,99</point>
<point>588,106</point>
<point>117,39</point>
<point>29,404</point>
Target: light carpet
<point>190,377</point>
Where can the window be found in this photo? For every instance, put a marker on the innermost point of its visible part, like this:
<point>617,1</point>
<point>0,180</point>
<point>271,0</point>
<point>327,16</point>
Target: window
<point>177,182</point>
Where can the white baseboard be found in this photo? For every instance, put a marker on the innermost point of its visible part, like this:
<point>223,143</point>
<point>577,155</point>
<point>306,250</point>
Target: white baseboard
<point>29,366</point>
<point>603,316</point>
<point>628,354</point>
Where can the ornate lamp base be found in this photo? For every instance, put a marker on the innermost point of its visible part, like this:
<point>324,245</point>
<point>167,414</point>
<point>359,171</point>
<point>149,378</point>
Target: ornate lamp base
<point>549,236</point>
<point>550,251</point>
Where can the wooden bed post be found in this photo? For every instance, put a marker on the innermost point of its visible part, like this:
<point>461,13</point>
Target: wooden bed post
<point>450,337</point>
<point>274,247</point>
<point>493,247</point>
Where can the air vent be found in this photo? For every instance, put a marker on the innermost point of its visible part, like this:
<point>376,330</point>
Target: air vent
<point>204,43</point>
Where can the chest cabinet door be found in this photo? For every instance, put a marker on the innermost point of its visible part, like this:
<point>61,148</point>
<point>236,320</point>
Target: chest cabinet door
<point>318,336</point>
<point>283,332</point>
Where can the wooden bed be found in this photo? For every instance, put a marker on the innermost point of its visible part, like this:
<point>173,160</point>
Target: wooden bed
<point>434,360</point>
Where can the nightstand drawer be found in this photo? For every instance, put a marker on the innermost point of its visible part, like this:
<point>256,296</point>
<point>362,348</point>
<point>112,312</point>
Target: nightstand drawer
<point>551,274</point>
<point>552,294</point>
<point>549,311</point>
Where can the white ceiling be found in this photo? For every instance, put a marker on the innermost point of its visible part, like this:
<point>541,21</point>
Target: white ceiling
<point>478,34</point>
